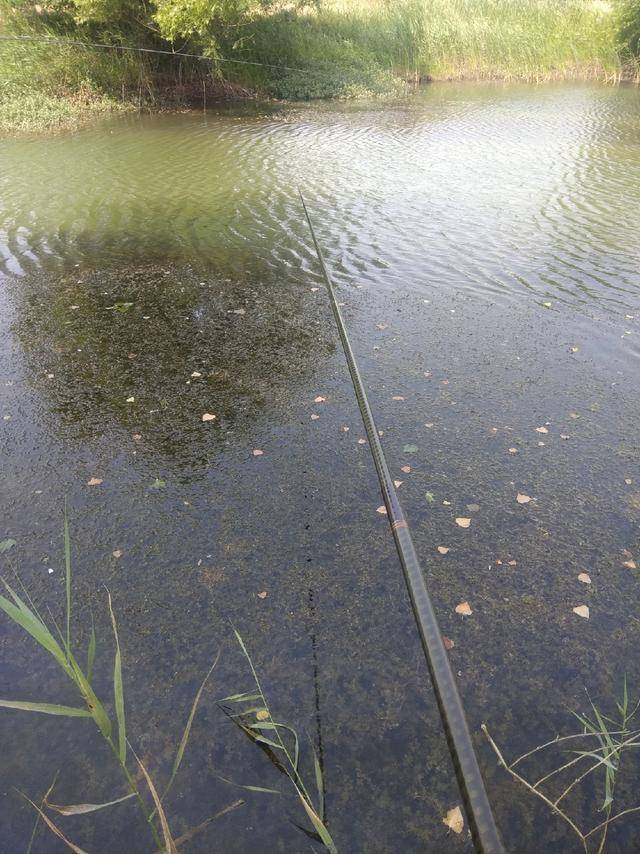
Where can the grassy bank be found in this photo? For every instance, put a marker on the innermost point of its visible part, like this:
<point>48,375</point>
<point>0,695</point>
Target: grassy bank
<point>529,40</point>
<point>332,48</point>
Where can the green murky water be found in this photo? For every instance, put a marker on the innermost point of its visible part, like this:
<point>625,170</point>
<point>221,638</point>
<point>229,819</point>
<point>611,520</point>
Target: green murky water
<point>485,243</point>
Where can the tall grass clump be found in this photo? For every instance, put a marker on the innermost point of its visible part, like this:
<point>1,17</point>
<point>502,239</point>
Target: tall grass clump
<point>112,727</point>
<point>251,712</point>
<point>375,41</point>
<point>590,759</point>
<point>628,25</point>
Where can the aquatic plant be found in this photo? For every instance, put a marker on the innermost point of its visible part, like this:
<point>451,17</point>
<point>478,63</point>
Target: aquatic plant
<point>59,645</point>
<point>602,738</point>
<point>256,720</point>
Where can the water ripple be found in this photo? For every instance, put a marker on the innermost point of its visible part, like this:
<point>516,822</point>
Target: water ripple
<point>505,192</point>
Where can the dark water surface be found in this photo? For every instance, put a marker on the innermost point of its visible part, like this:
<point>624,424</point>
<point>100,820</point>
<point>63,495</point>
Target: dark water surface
<point>485,244</point>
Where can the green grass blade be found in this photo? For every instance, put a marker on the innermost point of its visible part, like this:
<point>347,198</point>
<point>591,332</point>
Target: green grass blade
<point>250,788</point>
<point>187,730</point>
<point>25,618</point>
<point>67,568</point>
<point>118,691</point>
<point>319,782</point>
<point>241,698</point>
<point>46,708</point>
<point>93,703</point>
<point>256,736</point>
<point>91,652</point>
<point>319,826</point>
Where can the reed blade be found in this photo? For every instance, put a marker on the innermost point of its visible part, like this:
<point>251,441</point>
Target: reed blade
<point>46,708</point>
<point>118,690</point>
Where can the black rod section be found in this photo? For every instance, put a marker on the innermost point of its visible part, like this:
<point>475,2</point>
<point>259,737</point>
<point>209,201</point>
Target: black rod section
<point>484,832</point>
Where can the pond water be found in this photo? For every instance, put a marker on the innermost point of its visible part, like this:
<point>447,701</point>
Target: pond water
<point>484,241</point>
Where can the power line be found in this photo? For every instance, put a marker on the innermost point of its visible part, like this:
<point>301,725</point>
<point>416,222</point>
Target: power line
<point>74,43</point>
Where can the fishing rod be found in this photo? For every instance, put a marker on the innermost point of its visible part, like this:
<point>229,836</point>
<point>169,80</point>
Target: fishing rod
<point>74,43</point>
<point>484,832</point>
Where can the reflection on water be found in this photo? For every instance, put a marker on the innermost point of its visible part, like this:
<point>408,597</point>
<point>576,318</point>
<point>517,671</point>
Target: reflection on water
<point>158,268</point>
<point>155,348</point>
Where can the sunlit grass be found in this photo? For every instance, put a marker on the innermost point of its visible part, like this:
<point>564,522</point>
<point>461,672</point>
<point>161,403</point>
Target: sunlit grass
<point>413,39</point>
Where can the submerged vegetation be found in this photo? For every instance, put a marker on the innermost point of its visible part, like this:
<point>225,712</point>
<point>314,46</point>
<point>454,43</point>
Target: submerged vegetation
<point>255,719</point>
<point>293,50</point>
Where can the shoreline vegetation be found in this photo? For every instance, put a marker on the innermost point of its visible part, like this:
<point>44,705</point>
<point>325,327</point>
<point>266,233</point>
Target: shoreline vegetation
<point>331,49</point>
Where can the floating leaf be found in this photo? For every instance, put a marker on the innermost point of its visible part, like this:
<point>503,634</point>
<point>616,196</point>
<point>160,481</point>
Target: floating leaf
<point>513,450</point>
<point>362,441</point>
<point>382,510</point>
<point>397,397</point>
<point>454,820</point>
<point>584,577</point>
<point>262,715</point>
<point>582,611</point>
<point>410,449</point>
<point>117,553</point>
<point>196,374</point>
<point>117,306</point>
<point>405,469</point>
<point>521,498</point>
<point>314,417</point>
<point>7,544</point>
<point>319,399</point>
<point>257,452</point>
<point>630,564</point>
<point>448,643</point>
<point>94,481</point>
<point>158,483</point>
<point>430,497</point>
<point>262,595</point>
<point>443,550</point>
<point>541,430</point>
<point>209,416</point>
<point>397,483</point>
<point>463,521</point>
<point>464,608</point>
